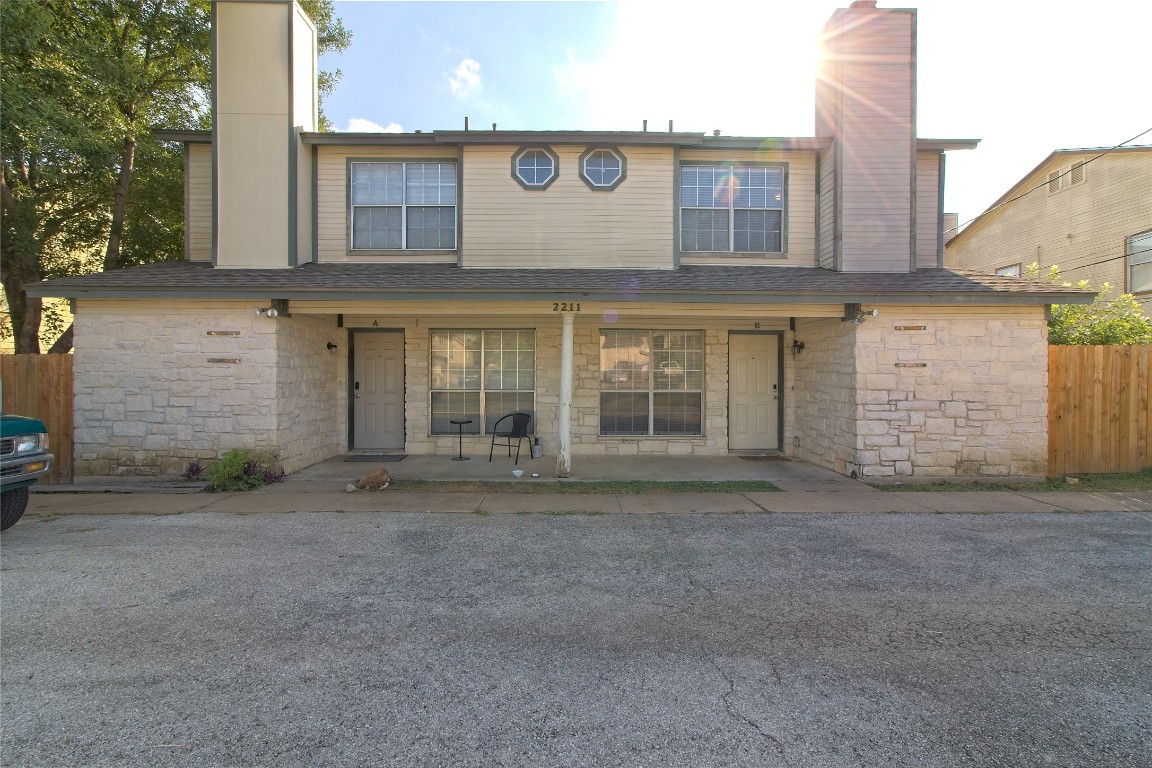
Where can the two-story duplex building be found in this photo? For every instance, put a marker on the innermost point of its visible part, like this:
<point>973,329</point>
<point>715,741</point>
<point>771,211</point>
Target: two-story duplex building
<point>1087,211</point>
<point>639,292</point>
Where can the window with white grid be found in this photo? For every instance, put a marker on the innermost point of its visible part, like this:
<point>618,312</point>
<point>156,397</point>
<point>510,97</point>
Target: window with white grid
<point>403,206</point>
<point>739,209</point>
<point>480,375</point>
<point>651,382</point>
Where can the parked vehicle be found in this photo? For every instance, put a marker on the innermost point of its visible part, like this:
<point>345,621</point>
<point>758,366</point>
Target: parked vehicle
<point>24,458</point>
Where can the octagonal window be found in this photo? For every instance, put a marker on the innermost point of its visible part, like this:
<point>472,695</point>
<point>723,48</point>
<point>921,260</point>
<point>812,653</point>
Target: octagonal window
<point>603,168</point>
<point>535,167</point>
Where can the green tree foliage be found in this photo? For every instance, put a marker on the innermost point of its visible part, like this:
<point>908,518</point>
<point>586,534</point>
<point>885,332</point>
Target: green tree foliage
<point>85,184</point>
<point>1107,320</point>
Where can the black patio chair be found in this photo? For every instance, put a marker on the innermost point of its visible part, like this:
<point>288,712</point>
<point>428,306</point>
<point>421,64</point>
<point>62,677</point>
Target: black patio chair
<point>516,429</point>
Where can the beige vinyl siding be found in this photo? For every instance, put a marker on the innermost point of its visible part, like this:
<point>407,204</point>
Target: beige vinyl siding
<point>1080,228</point>
<point>927,210</point>
<point>799,207</point>
<point>332,200</point>
<point>826,222</point>
<point>567,224</point>
<point>198,203</point>
<point>303,202</point>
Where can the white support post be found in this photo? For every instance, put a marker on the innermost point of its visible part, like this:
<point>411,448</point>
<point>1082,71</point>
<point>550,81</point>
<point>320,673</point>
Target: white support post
<point>564,427</point>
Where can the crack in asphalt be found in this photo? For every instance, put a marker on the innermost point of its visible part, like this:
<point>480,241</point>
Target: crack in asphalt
<point>730,708</point>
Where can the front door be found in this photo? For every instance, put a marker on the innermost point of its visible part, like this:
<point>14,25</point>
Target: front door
<point>753,391</point>
<point>378,390</point>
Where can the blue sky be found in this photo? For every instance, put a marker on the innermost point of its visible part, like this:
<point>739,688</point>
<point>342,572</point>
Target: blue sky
<point>1025,77</point>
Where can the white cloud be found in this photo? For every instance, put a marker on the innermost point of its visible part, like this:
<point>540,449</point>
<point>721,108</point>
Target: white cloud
<point>363,125</point>
<point>466,78</point>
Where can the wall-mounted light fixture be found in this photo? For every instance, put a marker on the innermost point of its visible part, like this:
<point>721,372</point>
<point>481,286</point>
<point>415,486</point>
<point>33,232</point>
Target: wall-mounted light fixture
<point>861,316</point>
<point>331,347</point>
<point>270,312</point>
<point>797,346</point>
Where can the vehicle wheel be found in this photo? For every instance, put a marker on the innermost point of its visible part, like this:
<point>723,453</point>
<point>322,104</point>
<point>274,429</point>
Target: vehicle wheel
<point>12,505</point>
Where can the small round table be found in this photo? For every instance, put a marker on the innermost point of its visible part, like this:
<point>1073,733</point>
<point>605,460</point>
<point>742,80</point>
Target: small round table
<point>460,431</point>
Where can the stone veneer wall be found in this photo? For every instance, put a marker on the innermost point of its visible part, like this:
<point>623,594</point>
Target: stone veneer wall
<point>965,396</point>
<point>147,398</point>
<point>311,390</point>
<point>820,404</point>
<point>153,390</point>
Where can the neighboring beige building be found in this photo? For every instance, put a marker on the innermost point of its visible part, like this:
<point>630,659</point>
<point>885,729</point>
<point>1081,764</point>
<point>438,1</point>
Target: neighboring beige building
<point>1087,211</point>
<point>640,293</point>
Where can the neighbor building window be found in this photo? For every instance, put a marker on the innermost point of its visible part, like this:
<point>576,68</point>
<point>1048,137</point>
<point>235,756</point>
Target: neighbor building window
<point>535,167</point>
<point>1139,252</point>
<point>403,206</point>
<point>1012,270</point>
<point>651,382</point>
<point>603,169</point>
<point>738,209</point>
<point>480,375</point>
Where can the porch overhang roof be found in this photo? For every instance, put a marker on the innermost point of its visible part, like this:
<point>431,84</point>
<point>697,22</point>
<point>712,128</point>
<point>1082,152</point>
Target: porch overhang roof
<point>447,282</point>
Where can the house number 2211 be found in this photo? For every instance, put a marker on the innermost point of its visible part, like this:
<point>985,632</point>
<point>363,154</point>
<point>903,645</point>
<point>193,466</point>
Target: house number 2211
<point>565,306</point>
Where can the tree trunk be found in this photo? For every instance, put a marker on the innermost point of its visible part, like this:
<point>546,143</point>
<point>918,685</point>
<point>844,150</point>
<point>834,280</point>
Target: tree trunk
<point>120,204</point>
<point>63,345</point>
<point>25,312</point>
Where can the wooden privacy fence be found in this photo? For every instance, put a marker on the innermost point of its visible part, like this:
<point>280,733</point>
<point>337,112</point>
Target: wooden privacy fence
<point>41,386</point>
<point>1099,409</point>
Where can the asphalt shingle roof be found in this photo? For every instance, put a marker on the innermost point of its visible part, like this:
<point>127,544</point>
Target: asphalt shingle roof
<point>368,281</point>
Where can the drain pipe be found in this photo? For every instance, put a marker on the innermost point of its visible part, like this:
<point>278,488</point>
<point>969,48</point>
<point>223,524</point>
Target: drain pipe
<point>564,417</point>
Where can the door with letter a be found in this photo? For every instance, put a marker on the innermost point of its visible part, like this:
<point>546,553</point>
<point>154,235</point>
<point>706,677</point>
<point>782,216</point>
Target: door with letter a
<point>378,390</point>
<point>753,391</point>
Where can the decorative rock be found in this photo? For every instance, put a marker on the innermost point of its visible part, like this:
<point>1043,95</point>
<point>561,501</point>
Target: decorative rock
<point>1072,480</point>
<point>350,488</point>
<point>376,480</point>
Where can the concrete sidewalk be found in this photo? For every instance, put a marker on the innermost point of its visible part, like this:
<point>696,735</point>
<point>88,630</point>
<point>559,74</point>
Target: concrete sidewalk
<point>321,488</point>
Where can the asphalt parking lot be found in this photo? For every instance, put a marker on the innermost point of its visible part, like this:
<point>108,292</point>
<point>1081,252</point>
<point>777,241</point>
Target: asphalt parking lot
<point>367,639</point>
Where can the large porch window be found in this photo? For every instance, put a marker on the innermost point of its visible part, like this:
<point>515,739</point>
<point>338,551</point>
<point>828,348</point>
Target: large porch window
<point>651,382</point>
<point>480,375</point>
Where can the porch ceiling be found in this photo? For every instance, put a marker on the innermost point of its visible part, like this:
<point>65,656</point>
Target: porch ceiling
<point>447,282</point>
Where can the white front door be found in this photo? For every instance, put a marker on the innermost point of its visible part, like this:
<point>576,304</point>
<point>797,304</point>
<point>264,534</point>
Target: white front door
<point>753,391</point>
<point>378,390</point>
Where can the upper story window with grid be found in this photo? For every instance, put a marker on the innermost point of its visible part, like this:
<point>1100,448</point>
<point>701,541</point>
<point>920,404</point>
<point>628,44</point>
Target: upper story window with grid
<point>403,206</point>
<point>738,209</point>
<point>603,168</point>
<point>535,167</point>
<point>1138,250</point>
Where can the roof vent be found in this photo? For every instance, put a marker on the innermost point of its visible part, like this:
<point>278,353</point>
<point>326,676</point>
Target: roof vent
<point>863,4</point>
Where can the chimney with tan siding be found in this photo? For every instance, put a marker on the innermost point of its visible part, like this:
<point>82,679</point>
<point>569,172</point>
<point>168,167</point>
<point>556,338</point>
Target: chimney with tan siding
<point>866,103</point>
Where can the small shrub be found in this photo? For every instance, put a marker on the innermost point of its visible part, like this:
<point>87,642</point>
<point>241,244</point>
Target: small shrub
<point>194,470</point>
<point>239,470</point>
